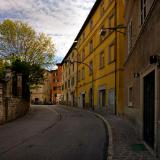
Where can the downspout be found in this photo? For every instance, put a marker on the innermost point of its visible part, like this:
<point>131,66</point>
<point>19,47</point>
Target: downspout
<point>116,58</point>
<point>77,81</point>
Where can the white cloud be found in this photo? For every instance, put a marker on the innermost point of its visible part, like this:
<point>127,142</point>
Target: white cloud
<point>61,19</point>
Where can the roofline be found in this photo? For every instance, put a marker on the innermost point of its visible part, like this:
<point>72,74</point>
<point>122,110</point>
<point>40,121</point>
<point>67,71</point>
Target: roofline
<point>59,64</point>
<point>54,70</point>
<point>93,10</point>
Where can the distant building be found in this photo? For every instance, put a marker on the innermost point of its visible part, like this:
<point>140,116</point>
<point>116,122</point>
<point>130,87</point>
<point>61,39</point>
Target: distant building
<point>41,93</point>
<point>56,85</point>
<point>142,72</point>
<point>69,78</point>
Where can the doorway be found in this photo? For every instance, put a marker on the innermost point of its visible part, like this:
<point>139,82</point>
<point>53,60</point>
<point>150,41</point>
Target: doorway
<point>102,98</point>
<point>83,100</point>
<point>149,108</point>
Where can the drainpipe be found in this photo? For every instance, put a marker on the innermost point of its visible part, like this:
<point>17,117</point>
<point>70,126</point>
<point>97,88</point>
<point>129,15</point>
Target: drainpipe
<point>77,82</point>
<point>116,58</point>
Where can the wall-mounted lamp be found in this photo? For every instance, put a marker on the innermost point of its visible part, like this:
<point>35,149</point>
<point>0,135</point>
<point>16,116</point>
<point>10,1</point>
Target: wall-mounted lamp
<point>155,59</point>
<point>116,28</point>
<point>136,75</point>
<point>102,32</point>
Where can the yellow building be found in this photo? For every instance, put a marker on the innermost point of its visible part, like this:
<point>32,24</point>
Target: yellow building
<point>101,53</point>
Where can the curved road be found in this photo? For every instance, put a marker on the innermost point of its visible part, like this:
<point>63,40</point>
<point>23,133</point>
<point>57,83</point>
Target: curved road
<point>54,133</point>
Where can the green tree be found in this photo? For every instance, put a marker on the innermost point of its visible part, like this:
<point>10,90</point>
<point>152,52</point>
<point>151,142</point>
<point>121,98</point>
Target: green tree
<point>28,52</point>
<point>18,40</point>
<point>32,75</point>
<point>1,70</point>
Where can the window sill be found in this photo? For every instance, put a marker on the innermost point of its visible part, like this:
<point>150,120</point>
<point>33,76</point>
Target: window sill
<point>111,62</point>
<point>101,67</point>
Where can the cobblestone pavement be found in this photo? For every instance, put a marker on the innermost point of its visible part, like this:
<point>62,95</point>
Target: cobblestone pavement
<point>126,144</point>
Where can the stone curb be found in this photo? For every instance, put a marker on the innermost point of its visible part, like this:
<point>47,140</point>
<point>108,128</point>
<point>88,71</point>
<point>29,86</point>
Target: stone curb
<point>110,145</point>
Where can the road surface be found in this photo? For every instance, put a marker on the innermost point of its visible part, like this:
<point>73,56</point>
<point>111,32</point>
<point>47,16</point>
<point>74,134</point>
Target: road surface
<point>54,133</point>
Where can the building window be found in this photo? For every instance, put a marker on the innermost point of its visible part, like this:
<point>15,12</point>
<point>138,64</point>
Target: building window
<point>79,75</point>
<point>69,71</point>
<point>59,88</point>
<point>72,81</point>
<point>68,83</point>
<point>91,46</point>
<point>55,80</point>
<point>111,56</point>
<point>130,96</point>
<point>83,36</point>
<point>65,85</point>
<point>79,58</point>
<point>73,66</point>
<point>83,73</point>
<point>111,22</point>
<point>91,24</point>
<point>129,36</point>
<point>90,67</point>
<point>72,54</point>
<point>62,87</point>
<point>101,60</point>
<point>143,11</point>
<point>102,9</point>
<point>83,55</point>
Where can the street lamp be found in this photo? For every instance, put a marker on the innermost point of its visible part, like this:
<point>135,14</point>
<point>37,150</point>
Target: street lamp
<point>90,69</point>
<point>103,30</point>
<point>102,33</point>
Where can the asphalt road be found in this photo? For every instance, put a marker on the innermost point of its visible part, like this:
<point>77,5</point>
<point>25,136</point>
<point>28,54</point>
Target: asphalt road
<point>54,133</point>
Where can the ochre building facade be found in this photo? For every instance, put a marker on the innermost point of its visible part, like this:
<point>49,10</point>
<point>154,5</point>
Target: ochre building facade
<point>99,57</point>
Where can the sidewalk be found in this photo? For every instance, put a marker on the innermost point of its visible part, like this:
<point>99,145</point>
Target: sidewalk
<point>126,144</point>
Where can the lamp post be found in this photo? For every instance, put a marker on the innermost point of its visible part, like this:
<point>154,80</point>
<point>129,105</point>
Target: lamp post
<point>116,29</point>
<point>90,69</point>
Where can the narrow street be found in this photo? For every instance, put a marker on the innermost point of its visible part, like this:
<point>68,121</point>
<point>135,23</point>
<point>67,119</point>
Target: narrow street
<point>54,133</point>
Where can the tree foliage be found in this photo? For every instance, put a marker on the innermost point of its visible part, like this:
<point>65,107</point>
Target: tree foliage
<point>28,52</point>
<point>33,72</point>
<point>1,70</point>
<point>19,41</point>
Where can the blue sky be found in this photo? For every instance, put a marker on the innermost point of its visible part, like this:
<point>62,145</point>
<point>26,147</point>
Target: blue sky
<point>60,19</point>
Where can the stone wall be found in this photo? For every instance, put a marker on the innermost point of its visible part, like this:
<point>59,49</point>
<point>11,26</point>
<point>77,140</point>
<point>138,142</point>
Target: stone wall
<point>14,108</point>
<point>11,107</point>
<point>145,43</point>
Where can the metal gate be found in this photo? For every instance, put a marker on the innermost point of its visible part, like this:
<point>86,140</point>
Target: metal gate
<point>102,98</point>
<point>90,98</point>
<point>149,109</point>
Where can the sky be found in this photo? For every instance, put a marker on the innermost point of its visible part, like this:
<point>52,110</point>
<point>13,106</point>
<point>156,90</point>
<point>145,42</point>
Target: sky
<point>59,19</point>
